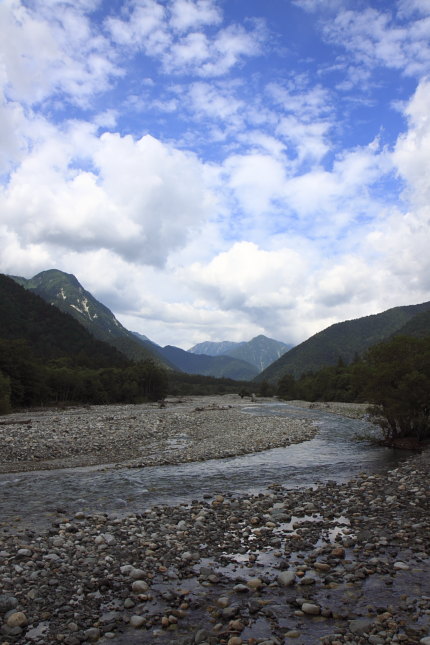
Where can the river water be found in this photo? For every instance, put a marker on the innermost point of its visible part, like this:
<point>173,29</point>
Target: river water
<point>334,454</point>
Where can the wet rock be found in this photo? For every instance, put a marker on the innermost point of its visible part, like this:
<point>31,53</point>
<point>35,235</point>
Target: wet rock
<point>16,619</point>
<point>311,609</point>
<point>286,578</point>
<point>7,603</point>
<point>360,625</point>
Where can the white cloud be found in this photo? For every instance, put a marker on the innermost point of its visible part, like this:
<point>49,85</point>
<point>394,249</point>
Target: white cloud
<point>215,102</point>
<point>174,35</point>
<point>412,152</point>
<point>408,7</point>
<point>375,38</point>
<point>304,118</point>
<point>13,143</point>
<point>189,14</point>
<point>50,51</point>
<point>256,180</point>
<point>142,200</point>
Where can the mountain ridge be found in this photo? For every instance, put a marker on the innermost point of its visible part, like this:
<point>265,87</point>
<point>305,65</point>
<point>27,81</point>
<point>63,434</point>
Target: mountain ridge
<point>342,341</point>
<point>64,291</point>
<point>260,351</point>
<point>50,332</point>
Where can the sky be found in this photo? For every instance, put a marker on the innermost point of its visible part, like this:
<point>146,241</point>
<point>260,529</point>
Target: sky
<point>219,169</point>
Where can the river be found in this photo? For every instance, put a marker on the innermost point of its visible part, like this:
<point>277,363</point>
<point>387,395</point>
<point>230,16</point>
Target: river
<point>334,454</point>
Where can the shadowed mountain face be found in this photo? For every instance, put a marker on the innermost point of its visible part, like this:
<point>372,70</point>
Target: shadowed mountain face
<point>260,351</point>
<point>65,292</point>
<point>49,332</point>
<point>206,365</point>
<point>344,341</point>
<point>218,366</point>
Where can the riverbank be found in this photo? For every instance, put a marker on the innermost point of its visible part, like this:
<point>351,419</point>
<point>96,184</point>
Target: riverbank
<point>193,429</point>
<point>335,564</point>
<point>350,410</point>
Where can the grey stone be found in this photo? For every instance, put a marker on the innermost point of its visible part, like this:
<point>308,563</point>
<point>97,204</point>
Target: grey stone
<point>286,578</point>
<point>360,625</point>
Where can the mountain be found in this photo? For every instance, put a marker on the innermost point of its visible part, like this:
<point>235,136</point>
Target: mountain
<point>217,366</point>
<point>65,292</point>
<point>210,348</point>
<point>205,365</point>
<point>50,333</point>
<point>342,341</point>
<point>259,351</point>
<point>418,326</point>
<point>144,339</point>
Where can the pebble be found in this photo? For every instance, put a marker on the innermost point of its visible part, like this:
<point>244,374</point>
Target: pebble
<point>17,619</point>
<point>137,621</point>
<point>310,608</point>
<point>102,434</point>
<point>92,577</point>
<point>286,578</point>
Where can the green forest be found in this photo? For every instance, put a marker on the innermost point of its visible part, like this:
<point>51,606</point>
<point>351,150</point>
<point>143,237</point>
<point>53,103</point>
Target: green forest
<point>392,376</point>
<point>48,358</point>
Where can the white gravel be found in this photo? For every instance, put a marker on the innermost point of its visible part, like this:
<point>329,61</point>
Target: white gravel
<point>194,429</point>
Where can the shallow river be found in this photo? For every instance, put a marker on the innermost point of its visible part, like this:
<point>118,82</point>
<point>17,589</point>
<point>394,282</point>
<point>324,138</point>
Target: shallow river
<point>333,454</point>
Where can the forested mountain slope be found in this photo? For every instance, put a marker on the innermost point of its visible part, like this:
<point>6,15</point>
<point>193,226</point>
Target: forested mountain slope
<point>65,292</point>
<point>342,341</point>
<point>217,366</point>
<point>49,332</point>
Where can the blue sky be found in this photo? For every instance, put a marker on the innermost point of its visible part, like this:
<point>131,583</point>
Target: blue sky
<point>215,169</point>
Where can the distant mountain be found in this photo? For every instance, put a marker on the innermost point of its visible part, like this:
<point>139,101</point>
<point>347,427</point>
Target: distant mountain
<point>206,365</point>
<point>344,341</point>
<point>50,333</point>
<point>144,339</point>
<point>418,326</point>
<point>217,366</point>
<point>65,292</point>
<point>210,348</point>
<point>259,351</point>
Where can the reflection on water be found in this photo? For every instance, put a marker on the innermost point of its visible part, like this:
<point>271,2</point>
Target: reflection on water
<point>333,454</point>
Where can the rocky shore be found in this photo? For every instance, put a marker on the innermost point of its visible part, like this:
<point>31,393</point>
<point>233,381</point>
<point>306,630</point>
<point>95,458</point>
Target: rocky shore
<point>339,564</point>
<point>142,435</point>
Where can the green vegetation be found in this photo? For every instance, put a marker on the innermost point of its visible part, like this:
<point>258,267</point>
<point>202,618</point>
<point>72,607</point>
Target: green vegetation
<point>393,376</point>
<point>65,292</point>
<point>344,340</point>
<point>47,357</point>
<point>180,384</point>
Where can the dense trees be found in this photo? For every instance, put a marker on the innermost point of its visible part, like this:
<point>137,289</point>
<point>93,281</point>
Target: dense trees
<point>27,381</point>
<point>398,383</point>
<point>393,376</point>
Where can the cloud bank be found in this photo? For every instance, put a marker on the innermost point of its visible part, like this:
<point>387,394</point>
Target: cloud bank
<point>208,177</point>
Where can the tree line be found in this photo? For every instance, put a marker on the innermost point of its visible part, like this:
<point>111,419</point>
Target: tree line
<point>27,381</point>
<point>392,376</point>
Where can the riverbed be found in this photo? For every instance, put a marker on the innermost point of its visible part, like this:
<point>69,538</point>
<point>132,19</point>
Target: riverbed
<point>331,448</point>
<point>325,541</point>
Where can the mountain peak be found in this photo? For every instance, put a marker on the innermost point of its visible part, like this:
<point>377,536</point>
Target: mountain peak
<point>65,292</point>
<point>50,274</point>
<point>260,351</point>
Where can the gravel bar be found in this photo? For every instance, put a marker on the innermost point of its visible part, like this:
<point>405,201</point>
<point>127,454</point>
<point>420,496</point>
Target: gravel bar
<point>337,564</point>
<point>142,435</point>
